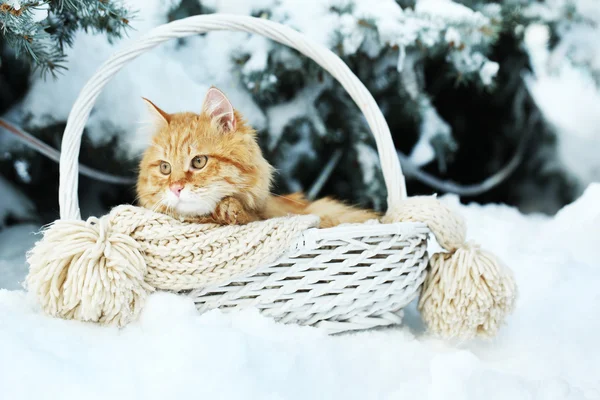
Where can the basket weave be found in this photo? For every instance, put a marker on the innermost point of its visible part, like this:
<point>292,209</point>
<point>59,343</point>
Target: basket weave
<point>348,277</point>
<point>338,279</point>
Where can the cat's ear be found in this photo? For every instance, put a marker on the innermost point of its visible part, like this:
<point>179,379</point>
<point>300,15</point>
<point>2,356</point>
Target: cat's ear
<point>160,115</point>
<point>218,106</point>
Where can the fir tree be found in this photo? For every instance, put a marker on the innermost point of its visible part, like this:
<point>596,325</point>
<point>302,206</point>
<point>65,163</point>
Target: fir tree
<point>40,30</point>
<point>448,76</point>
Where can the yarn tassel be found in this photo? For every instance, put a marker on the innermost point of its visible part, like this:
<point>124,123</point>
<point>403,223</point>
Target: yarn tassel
<point>89,272</point>
<point>468,291</point>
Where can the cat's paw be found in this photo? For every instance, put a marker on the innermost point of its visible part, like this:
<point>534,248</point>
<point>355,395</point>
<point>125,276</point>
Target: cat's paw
<point>230,211</point>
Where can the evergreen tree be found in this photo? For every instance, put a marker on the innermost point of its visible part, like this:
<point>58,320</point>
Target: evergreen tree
<point>40,30</point>
<point>448,76</point>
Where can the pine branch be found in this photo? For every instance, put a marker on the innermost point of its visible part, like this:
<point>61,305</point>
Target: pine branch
<point>41,30</point>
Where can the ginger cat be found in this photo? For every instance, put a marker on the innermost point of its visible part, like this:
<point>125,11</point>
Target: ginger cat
<point>209,168</point>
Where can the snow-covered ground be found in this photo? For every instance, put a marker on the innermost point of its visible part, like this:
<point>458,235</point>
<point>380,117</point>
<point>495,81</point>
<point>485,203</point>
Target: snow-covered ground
<point>548,350</point>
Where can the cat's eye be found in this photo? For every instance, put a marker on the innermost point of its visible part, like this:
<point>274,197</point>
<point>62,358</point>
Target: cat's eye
<point>199,162</point>
<point>165,168</point>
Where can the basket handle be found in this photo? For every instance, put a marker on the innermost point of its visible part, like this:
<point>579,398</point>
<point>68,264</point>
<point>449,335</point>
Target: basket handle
<point>71,142</point>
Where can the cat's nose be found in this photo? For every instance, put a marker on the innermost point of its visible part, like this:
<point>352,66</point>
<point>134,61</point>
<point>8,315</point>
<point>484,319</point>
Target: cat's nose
<point>176,188</point>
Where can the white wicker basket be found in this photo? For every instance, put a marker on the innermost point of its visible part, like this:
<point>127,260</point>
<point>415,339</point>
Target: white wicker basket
<point>339,279</point>
<point>344,278</point>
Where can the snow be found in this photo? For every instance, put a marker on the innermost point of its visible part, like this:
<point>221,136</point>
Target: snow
<point>548,349</point>
<point>488,72</point>
<point>368,158</point>
<point>258,49</point>
<point>15,241</point>
<point>565,81</point>
<point>22,168</point>
<point>353,38</point>
<point>13,203</point>
<point>175,75</point>
<point>432,125</point>
<point>40,12</point>
<point>244,7</point>
<point>448,10</point>
<point>452,36</point>
<point>16,4</point>
<point>302,105</point>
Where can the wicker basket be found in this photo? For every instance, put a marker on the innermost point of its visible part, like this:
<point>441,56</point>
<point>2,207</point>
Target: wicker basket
<point>349,277</point>
<point>339,279</point>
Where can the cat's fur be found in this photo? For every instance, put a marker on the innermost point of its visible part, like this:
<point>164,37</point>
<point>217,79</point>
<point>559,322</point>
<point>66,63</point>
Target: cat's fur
<point>233,187</point>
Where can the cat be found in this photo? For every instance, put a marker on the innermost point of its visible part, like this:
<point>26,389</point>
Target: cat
<point>208,168</point>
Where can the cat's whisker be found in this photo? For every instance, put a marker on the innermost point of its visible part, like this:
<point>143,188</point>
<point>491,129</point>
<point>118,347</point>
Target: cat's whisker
<point>158,204</point>
<point>143,196</point>
<point>155,206</point>
<point>168,207</point>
